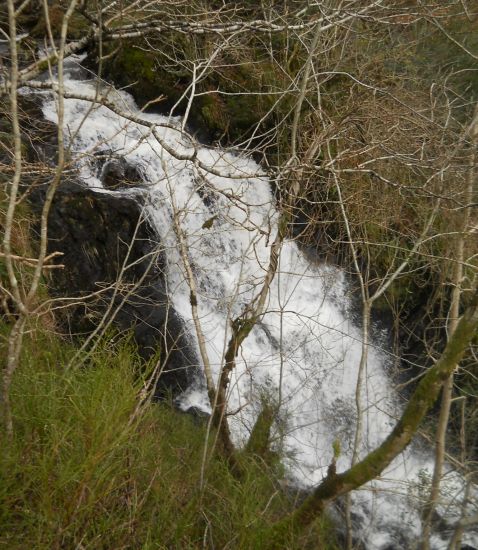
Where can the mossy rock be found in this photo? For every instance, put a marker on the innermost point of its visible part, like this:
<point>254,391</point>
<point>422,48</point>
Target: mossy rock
<point>142,74</point>
<point>148,75</point>
<point>213,114</point>
<point>77,28</point>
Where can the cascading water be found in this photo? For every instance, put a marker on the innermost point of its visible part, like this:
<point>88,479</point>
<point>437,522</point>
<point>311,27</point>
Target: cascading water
<point>304,351</point>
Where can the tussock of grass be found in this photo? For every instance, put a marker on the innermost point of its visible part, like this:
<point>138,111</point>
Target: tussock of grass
<point>86,471</point>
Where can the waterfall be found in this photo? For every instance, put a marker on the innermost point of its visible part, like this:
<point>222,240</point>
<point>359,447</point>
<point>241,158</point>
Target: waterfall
<point>305,348</point>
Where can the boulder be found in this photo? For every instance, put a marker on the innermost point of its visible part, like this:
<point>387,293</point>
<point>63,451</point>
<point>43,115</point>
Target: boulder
<point>118,172</point>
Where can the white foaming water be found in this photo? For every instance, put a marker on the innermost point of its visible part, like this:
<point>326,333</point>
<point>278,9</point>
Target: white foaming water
<point>304,349</point>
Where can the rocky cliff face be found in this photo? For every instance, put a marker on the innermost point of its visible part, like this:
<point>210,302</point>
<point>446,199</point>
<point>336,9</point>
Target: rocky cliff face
<point>113,258</point>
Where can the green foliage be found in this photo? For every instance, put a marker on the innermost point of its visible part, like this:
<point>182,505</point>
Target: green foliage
<point>336,448</point>
<point>85,469</point>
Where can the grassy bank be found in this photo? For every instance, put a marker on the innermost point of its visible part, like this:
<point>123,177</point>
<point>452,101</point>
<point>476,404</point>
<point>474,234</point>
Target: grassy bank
<point>87,469</point>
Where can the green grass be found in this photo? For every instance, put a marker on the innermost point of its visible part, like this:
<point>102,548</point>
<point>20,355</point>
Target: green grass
<point>83,471</point>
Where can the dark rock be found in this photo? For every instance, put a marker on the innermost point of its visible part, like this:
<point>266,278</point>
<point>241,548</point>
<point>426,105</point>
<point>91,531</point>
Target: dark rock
<point>95,231</point>
<point>118,172</point>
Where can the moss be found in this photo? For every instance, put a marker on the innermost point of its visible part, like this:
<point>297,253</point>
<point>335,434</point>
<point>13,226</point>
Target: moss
<point>259,440</point>
<point>138,65</point>
<point>141,72</point>
<point>213,114</point>
<point>230,117</point>
<point>77,26</point>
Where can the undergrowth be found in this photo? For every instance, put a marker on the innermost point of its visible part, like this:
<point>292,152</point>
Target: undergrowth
<point>88,469</point>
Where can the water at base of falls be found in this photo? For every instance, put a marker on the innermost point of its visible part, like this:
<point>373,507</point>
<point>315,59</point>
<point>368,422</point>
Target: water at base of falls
<point>304,348</point>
